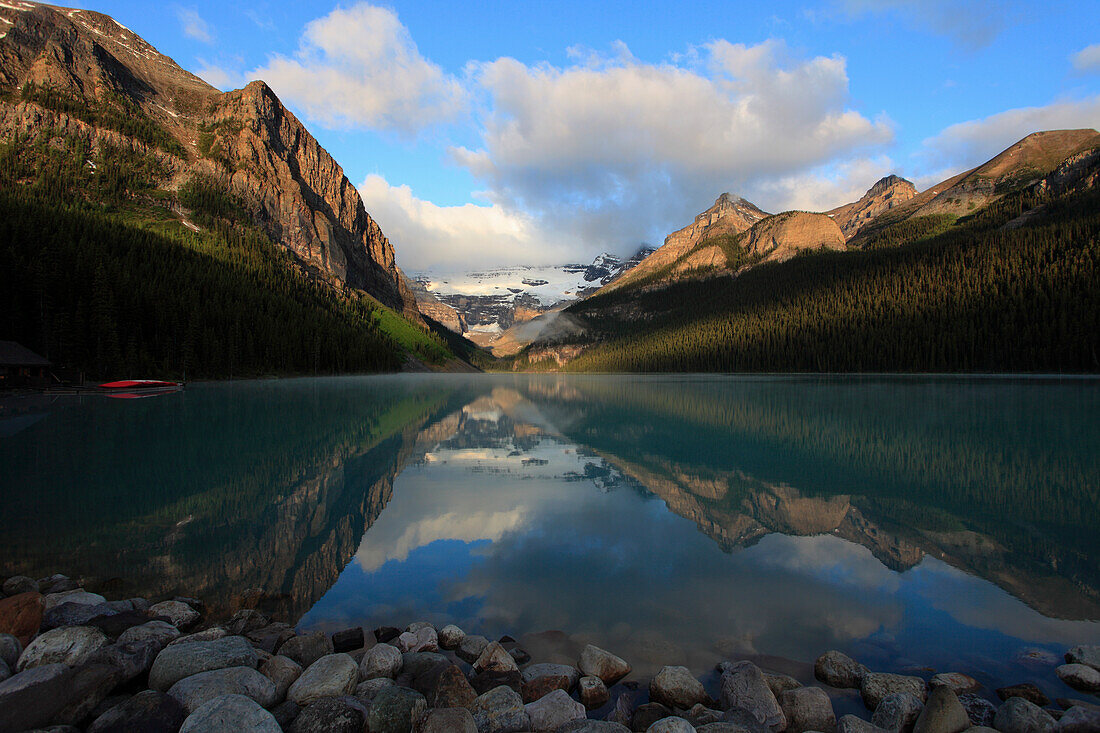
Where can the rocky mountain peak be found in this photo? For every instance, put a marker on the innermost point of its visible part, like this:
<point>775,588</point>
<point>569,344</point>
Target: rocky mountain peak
<point>887,193</point>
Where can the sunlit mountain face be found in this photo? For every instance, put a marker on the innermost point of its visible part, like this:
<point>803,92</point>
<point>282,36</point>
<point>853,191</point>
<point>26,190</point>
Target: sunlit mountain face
<point>927,522</point>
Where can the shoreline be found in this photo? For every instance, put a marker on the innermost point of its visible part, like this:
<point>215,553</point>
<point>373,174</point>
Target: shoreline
<point>73,658</point>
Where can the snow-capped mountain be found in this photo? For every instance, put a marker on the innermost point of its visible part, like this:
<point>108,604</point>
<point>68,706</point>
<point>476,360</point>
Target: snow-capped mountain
<point>486,302</point>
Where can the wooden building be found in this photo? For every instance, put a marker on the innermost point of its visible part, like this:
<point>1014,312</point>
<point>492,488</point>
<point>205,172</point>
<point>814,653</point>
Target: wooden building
<point>21,367</point>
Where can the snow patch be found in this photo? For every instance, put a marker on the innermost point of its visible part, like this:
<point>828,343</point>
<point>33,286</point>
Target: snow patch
<point>21,7</point>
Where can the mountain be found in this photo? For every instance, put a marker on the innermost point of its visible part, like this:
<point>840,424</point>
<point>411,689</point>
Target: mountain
<point>99,125</point>
<point>996,270</point>
<point>886,194</point>
<point>485,303</point>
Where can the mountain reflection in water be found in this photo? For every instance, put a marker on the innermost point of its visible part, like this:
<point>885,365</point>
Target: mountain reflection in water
<point>939,521</point>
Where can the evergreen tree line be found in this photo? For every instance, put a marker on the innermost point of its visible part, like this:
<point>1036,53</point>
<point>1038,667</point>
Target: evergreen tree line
<point>975,297</point>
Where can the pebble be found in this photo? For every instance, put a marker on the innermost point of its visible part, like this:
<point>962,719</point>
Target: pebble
<point>499,710</point>
<point>230,713</point>
<point>283,671</point>
<point>596,662</point>
<point>743,686</point>
<point>1018,715</point>
<point>897,712</point>
<point>450,636</point>
<point>551,711</point>
<point>330,715</point>
<point>395,709</point>
<point>877,685</point>
<point>592,692</point>
<point>807,709</point>
<point>148,710</point>
<point>942,713</point>
<point>676,687</point>
<point>199,688</point>
<point>837,669</point>
<point>71,645</point>
<point>306,649</point>
<point>177,661</point>
<point>382,660</point>
<point>1079,677</point>
<point>181,615</point>
<point>330,676</point>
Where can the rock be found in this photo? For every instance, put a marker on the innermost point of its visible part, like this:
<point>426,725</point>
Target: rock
<point>780,683</point>
<point>855,724</point>
<point>499,710</point>
<point>1079,719</point>
<point>676,687</point>
<point>520,655</point>
<point>78,595</point>
<point>897,711</point>
<point>330,715</point>
<point>446,720</point>
<point>494,658</point>
<point>230,713</point>
<point>421,663</point>
<point>942,713</point>
<point>623,711</point>
<point>285,713</point>
<point>181,615</point>
<point>956,681</point>
<point>177,661</point>
<point>270,638</point>
<point>283,671</point>
<point>422,640</point>
<point>700,714</point>
<point>131,659</point>
<point>21,616</point>
<point>52,693</point>
<point>194,603</point>
<point>453,690</point>
<point>450,636</point>
<point>382,660</point>
<point>648,714</point>
<point>567,671</point>
<point>306,649</point>
<point>10,649</point>
<point>1079,677</point>
<point>1027,691</point>
<point>592,692</point>
<point>839,670</point>
<point>115,624</point>
<point>347,640</point>
<point>978,709</point>
<point>148,711</point>
<point>366,691</point>
<point>1086,655</point>
<point>211,634</point>
<point>416,626</point>
<point>593,726</point>
<point>5,670</point>
<point>484,681</point>
<point>808,708</point>
<point>329,676</point>
<point>385,634</point>
<point>553,710</point>
<point>156,632</point>
<point>743,686</point>
<point>71,645</point>
<point>1068,702</point>
<point>394,710</point>
<point>877,685</point>
<point>57,583</point>
<point>246,620</point>
<point>200,688</point>
<point>671,725</point>
<point>76,614</point>
<point>471,647</point>
<point>596,662</point>
<point>1018,715</point>
<point>544,685</point>
<point>17,584</point>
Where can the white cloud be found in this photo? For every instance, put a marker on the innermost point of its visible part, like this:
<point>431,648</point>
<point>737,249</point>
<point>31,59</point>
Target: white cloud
<point>614,151</point>
<point>967,144</point>
<point>972,24</point>
<point>194,26</point>
<point>460,237</point>
<point>219,76</point>
<point>359,67</point>
<point>828,187</point>
<point>1087,59</point>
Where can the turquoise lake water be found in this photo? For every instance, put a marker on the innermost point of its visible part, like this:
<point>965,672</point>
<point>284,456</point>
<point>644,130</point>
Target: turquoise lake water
<point>916,523</point>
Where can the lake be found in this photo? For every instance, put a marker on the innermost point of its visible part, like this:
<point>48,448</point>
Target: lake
<point>912,522</point>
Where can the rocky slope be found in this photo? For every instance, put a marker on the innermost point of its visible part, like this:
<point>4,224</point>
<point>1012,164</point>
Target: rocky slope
<point>101,83</point>
<point>886,194</point>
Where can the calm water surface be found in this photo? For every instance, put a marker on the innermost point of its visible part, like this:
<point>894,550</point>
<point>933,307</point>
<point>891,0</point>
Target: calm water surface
<point>913,522</point>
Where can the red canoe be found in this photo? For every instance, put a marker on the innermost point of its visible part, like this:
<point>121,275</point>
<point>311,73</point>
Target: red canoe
<point>130,385</point>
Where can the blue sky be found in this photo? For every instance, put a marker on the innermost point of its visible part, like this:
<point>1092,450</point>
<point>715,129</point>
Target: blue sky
<point>520,132</point>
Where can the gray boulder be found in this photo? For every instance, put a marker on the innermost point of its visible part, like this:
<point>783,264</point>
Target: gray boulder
<point>671,725</point>
<point>10,649</point>
<point>447,720</point>
<point>132,659</point>
<point>382,660</point>
<point>53,693</point>
<point>177,661</point>
<point>780,683</point>
<point>450,636</point>
<point>569,672</point>
<point>877,685</point>
<point>158,632</point>
<point>837,669</point>
<point>744,686</point>
<point>1089,655</point>
<point>395,709</point>
<point>554,710</point>
<point>330,715</point>
<point>148,711</point>
<point>676,687</point>
<point>942,713</point>
<point>978,709</point>
<point>180,614</point>
<point>808,709</point>
<point>282,671</point>
<point>592,692</point>
<point>471,647</point>
<point>593,726</point>
<point>246,620</point>
<point>500,710</point>
<point>856,724</point>
<point>198,689</point>
<point>77,595</point>
<point>596,662</point>
<point>230,712</point>
<point>71,645</point>
<point>211,634</point>
<point>897,712</point>
<point>366,691</point>
<point>307,648</point>
<point>957,681</point>
<point>494,658</point>
<point>330,676</point>
<point>1078,676</point>
<point>5,670</point>
<point>20,584</point>
<point>1079,719</point>
<point>1018,715</point>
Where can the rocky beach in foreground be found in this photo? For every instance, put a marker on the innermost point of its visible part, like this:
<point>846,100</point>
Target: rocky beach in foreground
<point>72,660</point>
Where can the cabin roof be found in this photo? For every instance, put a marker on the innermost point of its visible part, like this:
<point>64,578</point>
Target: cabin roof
<point>13,354</point>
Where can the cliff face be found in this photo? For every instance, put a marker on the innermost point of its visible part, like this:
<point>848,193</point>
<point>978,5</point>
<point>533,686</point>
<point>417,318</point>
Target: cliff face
<point>886,194</point>
<point>245,139</point>
<point>782,236</point>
